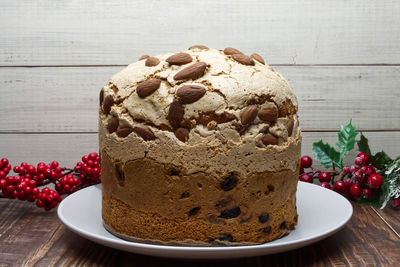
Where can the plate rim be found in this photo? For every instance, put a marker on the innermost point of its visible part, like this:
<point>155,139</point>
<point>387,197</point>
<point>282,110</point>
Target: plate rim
<point>142,248</point>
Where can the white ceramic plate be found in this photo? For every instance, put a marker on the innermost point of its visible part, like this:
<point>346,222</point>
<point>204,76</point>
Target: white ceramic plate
<point>322,212</point>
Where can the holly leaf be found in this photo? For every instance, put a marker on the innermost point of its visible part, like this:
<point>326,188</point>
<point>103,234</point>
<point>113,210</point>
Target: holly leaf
<point>326,154</point>
<point>347,139</point>
<point>363,145</point>
<point>380,159</point>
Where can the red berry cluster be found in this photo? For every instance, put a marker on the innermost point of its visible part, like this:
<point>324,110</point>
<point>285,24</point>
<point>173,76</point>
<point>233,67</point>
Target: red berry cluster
<point>29,179</point>
<point>356,181</point>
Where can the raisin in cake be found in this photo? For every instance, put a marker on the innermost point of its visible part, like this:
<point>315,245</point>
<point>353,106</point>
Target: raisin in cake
<point>199,147</point>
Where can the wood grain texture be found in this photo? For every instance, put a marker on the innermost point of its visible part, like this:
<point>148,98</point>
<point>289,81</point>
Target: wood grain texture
<point>391,217</point>
<point>69,148</point>
<point>66,99</point>
<point>32,237</point>
<point>117,32</point>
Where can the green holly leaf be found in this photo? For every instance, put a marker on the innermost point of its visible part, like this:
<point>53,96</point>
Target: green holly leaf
<point>347,139</point>
<point>326,154</point>
<point>363,145</point>
<point>380,159</point>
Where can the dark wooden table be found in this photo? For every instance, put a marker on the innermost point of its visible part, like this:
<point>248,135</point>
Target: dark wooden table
<point>32,237</point>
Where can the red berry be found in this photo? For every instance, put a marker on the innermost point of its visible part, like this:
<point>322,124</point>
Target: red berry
<point>24,165</point>
<point>16,169</point>
<point>364,169</point>
<point>353,168</point>
<point>368,194</point>
<point>348,183</point>
<point>47,171</point>
<point>93,156</point>
<point>46,190</point>
<point>66,187</point>
<point>355,191</point>
<point>306,178</point>
<point>346,170</point>
<point>85,158</point>
<point>396,202</point>
<point>326,185</point>
<point>35,191</point>
<point>3,183</point>
<point>31,198</point>
<point>41,168</point>
<point>364,157</point>
<point>54,164</point>
<point>324,177</point>
<point>4,162</point>
<point>339,186</point>
<point>306,161</point>
<point>6,169</point>
<point>9,189</point>
<point>30,169</point>
<point>2,175</point>
<point>58,169</point>
<point>21,195</point>
<point>375,181</point>
<point>358,161</point>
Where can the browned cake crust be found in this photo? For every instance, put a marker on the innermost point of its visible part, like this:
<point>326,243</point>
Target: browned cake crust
<point>199,148</point>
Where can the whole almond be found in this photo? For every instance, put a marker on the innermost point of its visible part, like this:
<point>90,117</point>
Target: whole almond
<point>269,139</point>
<point>146,88</point>
<point>144,57</point>
<point>107,103</point>
<point>101,97</point>
<point>152,61</point>
<point>231,51</point>
<point>124,132</point>
<point>258,58</point>
<point>200,47</point>
<point>175,113</point>
<point>179,59</point>
<point>193,71</point>
<point>243,59</point>
<point>268,114</point>
<point>290,125</point>
<point>182,134</point>
<point>248,115</point>
<point>189,94</point>
<point>145,133</point>
<point>112,124</point>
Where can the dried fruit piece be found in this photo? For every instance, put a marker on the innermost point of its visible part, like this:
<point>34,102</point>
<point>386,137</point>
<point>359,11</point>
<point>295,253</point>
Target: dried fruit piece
<point>107,103</point>
<point>229,182</point>
<point>179,59</point>
<point>283,225</point>
<point>194,211</point>
<point>189,94</point>
<point>148,87</point>
<point>145,133</point>
<point>263,218</point>
<point>193,71</point>
<point>230,213</point>
<point>269,139</point>
<point>175,113</point>
<point>201,47</point>
<point>243,59</point>
<point>249,114</point>
<point>268,114</point>
<point>152,61</point>
<point>124,132</point>
<point>182,134</point>
<point>101,97</point>
<point>144,57</point>
<point>231,51</point>
<point>112,124</point>
<point>258,58</point>
<point>185,194</point>
<point>267,230</point>
<point>290,125</point>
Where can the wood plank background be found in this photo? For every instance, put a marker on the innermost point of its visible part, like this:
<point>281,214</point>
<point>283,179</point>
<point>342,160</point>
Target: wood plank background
<point>341,58</point>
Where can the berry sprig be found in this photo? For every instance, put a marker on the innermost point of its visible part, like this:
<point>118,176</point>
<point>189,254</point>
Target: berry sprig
<point>372,180</point>
<point>30,182</point>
